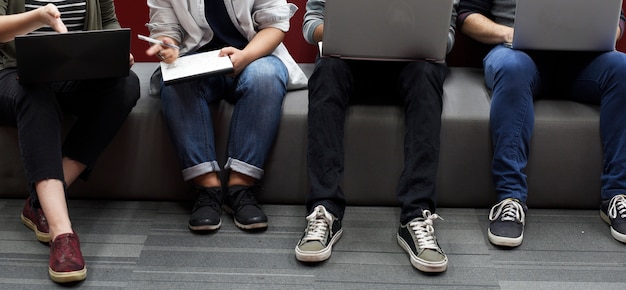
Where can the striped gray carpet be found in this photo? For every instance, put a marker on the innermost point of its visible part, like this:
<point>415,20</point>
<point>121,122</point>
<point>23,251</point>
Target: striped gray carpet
<point>146,245</point>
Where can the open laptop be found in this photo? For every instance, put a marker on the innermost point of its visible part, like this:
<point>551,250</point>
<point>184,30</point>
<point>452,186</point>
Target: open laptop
<point>388,30</point>
<point>76,55</point>
<point>568,25</point>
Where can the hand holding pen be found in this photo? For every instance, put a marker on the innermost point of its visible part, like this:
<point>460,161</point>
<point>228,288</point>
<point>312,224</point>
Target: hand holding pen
<point>164,48</point>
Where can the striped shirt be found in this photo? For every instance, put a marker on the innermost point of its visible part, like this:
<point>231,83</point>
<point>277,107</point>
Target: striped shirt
<point>72,13</point>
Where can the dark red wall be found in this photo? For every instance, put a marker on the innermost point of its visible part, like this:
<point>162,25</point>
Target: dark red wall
<point>134,14</point>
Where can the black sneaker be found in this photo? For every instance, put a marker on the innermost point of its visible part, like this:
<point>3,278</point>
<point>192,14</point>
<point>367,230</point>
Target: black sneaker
<point>323,230</point>
<point>613,212</point>
<point>206,212</point>
<point>240,202</point>
<point>417,238</point>
<point>508,218</point>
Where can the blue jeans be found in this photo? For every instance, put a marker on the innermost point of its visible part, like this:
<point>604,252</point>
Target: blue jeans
<point>257,94</point>
<point>517,78</point>
<point>334,86</point>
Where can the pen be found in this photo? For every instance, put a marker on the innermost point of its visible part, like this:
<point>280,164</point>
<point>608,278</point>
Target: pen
<point>152,40</point>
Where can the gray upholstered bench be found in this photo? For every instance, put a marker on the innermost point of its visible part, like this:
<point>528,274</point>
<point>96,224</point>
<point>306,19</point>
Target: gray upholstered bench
<point>564,169</point>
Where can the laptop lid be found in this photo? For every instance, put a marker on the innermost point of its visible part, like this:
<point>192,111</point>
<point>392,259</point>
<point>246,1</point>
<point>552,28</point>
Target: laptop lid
<point>568,25</point>
<point>76,55</point>
<point>387,30</point>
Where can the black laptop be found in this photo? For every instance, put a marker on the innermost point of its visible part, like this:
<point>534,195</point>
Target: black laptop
<point>75,55</point>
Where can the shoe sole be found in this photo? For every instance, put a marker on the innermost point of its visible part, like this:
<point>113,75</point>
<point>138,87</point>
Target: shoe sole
<point>41,236</point>
<point>420,264</point>
<point>65,277</point>
<point>205,227</point>
<point>321,255</point>
<point>616,235</point>
<point>250,226</point>
<point>505,242</point>
<point>253,226</point>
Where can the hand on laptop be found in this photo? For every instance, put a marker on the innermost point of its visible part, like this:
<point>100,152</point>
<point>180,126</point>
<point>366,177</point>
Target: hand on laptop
<point>51,16</point>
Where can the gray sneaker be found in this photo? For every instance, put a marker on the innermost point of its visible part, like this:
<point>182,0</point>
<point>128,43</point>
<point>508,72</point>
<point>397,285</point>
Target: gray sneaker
<point>417,238</point>
<point>323,230</point>
<point>508,218</point>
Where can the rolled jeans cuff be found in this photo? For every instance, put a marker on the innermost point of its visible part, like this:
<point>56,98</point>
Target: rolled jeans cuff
<point>244,168</point>
<point>202,168</point>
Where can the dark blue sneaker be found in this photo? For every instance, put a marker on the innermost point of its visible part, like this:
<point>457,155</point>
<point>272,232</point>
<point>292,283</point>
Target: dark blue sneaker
<point>206,213</point>
<point>240,201</point>
<point>508,218</point>
<point>613,212</point>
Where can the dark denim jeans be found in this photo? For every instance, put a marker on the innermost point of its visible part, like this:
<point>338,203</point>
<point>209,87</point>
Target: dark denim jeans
<point>336,84</point>
<point>100,106</point>
<point>517,78</point>
<point>257,94</point>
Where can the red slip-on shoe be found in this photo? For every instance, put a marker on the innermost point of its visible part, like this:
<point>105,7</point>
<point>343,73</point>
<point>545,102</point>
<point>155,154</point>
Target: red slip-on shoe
<point>35,220</point>
<point>66,260</point>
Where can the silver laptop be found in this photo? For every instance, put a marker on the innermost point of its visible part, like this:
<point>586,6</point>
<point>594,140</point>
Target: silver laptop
<point>568,25</point>
<point>76,55</point>
<point>398,30</point>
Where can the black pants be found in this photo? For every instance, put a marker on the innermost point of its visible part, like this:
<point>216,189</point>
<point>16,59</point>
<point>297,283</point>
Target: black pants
<point>99,106</point>
<point>336,84</point>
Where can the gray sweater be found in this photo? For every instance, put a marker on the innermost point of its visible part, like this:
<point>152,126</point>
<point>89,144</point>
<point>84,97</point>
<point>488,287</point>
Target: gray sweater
<point>314,16</point>
<point>500,11</point>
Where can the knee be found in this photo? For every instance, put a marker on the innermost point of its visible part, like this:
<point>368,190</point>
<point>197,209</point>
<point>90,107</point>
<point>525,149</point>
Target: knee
<point>37,100</point>
<point>614,64</point>
<point>502,61</point>
<point>329,70</point>
<point>268,74</point>
<point>133,90</point>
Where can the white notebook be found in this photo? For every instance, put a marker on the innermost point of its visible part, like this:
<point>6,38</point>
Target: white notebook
<point>196,65</point>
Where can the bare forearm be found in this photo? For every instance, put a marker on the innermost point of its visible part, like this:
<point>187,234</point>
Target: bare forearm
<point>19,24</point>
<point>318,34</point>
<point>264,43</point>
<point>485,30</point>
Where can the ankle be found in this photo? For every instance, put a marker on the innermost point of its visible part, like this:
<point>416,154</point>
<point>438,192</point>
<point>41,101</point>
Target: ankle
<point>55,232</point>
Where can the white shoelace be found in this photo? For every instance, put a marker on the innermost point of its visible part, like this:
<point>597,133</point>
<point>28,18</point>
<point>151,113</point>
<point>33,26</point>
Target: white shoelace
<point>617,205</point>
<point>424,230</point>
<point>507,210</point>
<point>318,223</point>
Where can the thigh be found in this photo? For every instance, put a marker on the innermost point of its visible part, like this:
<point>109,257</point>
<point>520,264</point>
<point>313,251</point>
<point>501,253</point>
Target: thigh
<point>266,77</point>
<point>15,98</point>
<point>597,76</point>
<point>85,96</point>
<point>9,90</point>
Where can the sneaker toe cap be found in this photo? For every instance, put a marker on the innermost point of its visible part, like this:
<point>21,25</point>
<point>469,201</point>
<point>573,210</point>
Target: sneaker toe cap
<point>206,221</point>
<point>432,256</point>
<point>619,226</point>
<point>508,230</point>
<point>252,220</point>
<point>312,246</point>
